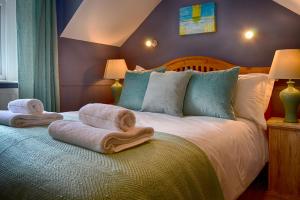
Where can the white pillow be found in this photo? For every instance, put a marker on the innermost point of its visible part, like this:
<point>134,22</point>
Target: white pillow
<point>252,97</point>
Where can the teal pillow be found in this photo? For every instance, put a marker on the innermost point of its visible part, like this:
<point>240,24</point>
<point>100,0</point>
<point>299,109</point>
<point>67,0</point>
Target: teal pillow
<point>211,93</point>
<point>165,92</point>
<point>134,89</point>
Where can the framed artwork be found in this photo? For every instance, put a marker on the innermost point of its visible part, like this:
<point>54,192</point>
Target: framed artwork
<point>199,18</point>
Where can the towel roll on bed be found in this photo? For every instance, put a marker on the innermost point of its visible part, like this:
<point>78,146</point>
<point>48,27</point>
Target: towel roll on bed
<point>26,106</point>
<point>107,117</point>
<point>19,120</point>
<point>97,139</point>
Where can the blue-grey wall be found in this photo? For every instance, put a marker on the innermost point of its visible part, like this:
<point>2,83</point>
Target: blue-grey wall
<point>277,28</point>
<point>82,63</point>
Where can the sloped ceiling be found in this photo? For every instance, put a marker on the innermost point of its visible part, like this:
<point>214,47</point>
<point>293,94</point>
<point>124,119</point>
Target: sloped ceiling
<point>109,22</point>
<point>293,5</point>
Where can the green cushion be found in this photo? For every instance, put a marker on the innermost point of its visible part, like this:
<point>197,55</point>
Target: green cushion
<point>134,89</point>
<point>165,92</point>
<point>211,93</point>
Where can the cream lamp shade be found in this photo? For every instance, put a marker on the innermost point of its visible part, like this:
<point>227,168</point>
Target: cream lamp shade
<point>115,69</point>
<point>286,64</point>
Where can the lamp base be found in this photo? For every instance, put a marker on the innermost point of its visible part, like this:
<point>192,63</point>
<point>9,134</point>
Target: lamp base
<point>290,98</point>
<point>116,89</point>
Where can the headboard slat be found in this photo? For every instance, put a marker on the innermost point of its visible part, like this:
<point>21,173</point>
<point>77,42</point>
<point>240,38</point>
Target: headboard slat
<point>205,64</point>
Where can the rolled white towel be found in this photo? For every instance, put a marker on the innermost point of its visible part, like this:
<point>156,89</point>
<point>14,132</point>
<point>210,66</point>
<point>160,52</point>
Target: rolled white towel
<point>107,117</point>
<point>25,120</point>
<point>96,139</point>
<point>26,106</point>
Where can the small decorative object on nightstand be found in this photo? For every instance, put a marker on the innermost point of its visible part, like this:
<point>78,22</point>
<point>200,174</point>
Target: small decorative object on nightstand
<point>115,69</point>
<point>284,158</point>
<point>286,65</point>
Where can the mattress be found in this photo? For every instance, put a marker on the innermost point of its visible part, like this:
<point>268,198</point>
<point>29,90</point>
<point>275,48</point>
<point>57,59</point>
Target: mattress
<point>238,150</point>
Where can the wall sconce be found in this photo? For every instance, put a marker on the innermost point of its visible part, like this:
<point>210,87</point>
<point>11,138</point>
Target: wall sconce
<point>150,43</point>
<point>249,34</point>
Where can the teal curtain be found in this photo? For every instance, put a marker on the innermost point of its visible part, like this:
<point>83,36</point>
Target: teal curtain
<point>37,51</point>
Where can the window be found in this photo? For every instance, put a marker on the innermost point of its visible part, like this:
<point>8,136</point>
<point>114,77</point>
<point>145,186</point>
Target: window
<point>8,41</point>
<point>2,40</point>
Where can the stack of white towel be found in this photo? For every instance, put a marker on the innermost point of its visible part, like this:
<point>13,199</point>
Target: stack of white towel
<point>102,128</point>
<point>27,112</point>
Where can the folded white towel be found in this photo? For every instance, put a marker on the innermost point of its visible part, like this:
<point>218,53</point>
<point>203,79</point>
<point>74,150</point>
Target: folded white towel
<point>25,120</point>
<point>106,116</point>
<point>26,106</point>
<point>96,139</point>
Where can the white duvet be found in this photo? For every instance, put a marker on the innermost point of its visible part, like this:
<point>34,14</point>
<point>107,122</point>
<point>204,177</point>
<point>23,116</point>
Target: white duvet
<point>238,150</point>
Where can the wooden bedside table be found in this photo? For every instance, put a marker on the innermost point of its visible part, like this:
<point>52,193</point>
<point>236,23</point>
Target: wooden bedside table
<point>284,158</point>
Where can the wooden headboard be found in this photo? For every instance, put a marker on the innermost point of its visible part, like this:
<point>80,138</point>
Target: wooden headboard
<point>206,64</point>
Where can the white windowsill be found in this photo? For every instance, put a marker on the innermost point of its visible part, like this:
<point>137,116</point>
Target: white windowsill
<point>6,81</point>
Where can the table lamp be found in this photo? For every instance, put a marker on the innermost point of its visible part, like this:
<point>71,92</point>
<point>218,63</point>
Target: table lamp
<point>115,69</point>
<point>286,65</point>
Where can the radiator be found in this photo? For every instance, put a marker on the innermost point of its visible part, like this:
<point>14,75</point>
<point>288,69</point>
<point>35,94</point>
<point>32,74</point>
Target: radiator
<point>6,95</point>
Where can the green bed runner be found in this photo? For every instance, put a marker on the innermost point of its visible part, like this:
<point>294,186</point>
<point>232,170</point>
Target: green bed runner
<point>34,166</point>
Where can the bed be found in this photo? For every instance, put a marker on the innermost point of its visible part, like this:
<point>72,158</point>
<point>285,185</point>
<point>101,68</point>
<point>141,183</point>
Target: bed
<point>33,166</point>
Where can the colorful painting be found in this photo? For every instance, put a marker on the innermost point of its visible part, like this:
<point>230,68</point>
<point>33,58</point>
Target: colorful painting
<point>199,18</point>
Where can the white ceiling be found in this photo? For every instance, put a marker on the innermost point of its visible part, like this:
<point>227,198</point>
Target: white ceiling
<point>293,5</point>
<point>108,22</point>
